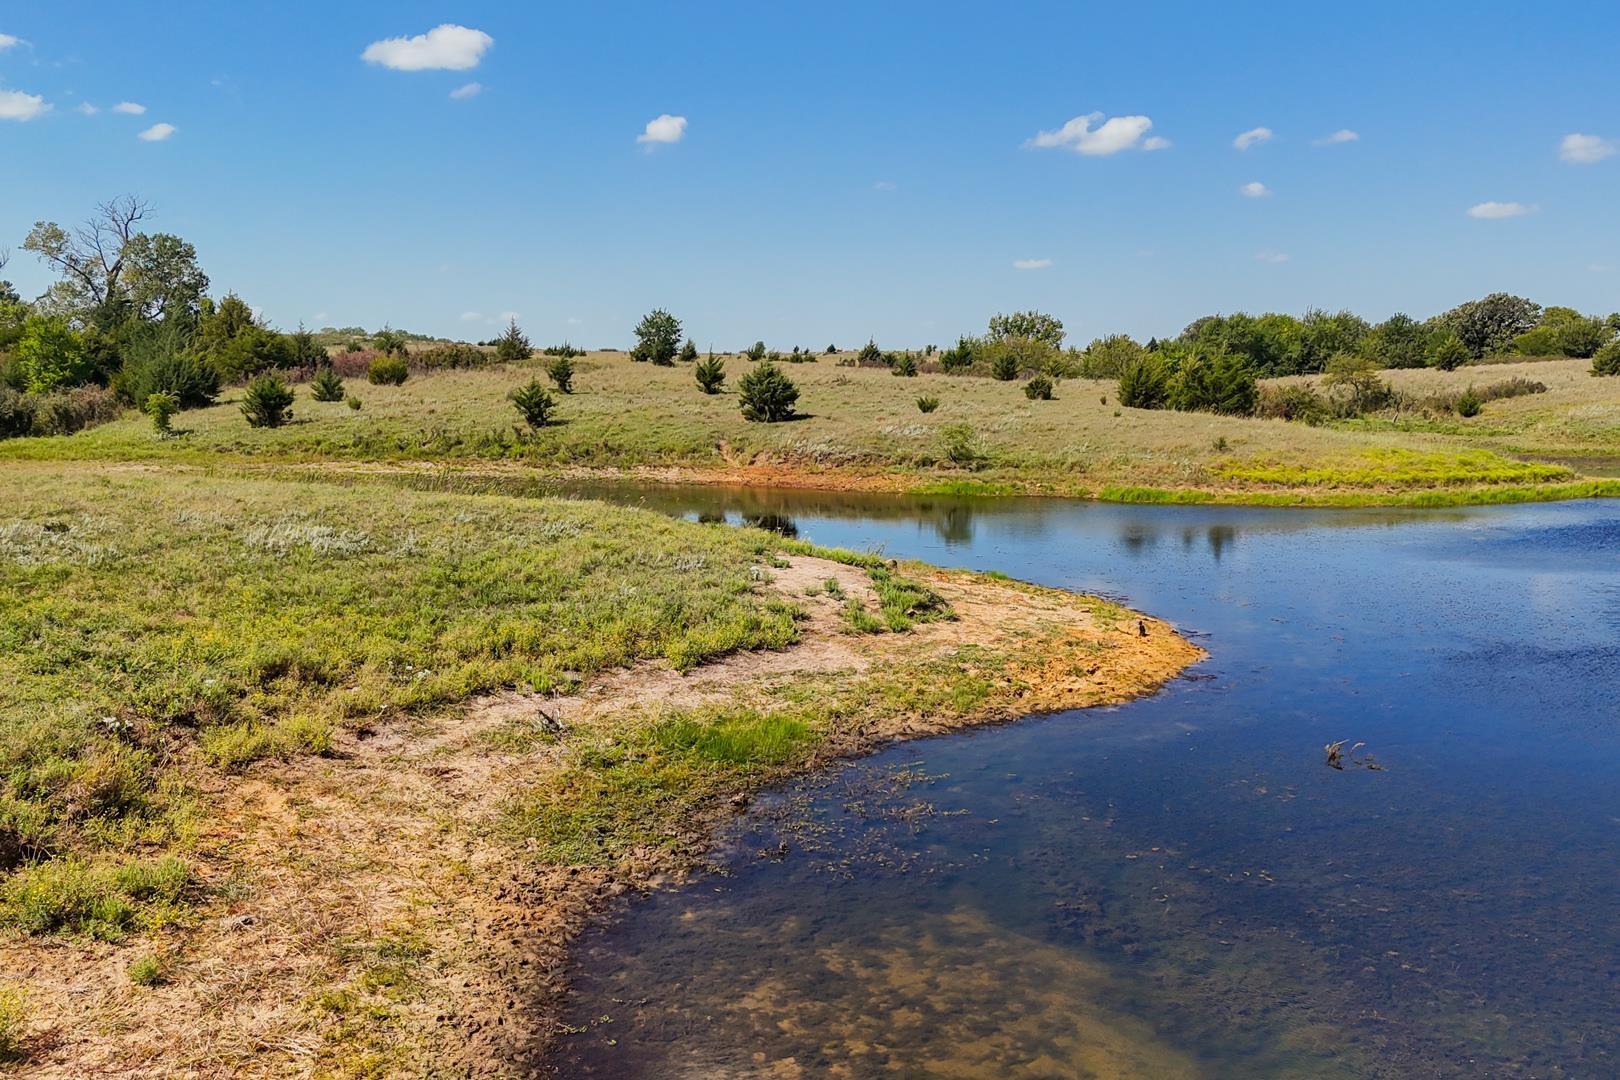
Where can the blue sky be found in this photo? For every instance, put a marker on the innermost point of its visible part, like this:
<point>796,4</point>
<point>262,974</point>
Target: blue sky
<point>843,171</point>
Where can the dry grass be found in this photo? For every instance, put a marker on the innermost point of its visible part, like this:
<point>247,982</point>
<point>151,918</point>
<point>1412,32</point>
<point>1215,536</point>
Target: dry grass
<point>864,423</point>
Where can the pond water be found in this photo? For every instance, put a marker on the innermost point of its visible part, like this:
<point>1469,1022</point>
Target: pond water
<point>1180,886</point>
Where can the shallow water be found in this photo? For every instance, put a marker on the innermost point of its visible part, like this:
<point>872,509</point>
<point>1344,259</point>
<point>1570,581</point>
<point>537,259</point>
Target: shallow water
<point>1179,887</point>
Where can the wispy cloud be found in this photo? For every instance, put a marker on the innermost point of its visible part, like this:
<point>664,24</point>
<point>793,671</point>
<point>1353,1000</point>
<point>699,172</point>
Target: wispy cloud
<point>1031,264</point>
<point>1109,136</point>
<point>84,108</point>
<point>157,132</point>
<point>1253,137</point>
<point>1491,211</point>
<point>16,105</point>
<point>884,185</point>
<point>510,316</point>
<point>1580,149</point>
<point>1254,189</point>
<point>447,47</point>
<point>663,129</point>
<point>472,316</point>
<point>1343,135</point>
<point>130,108</point>
<point>8,41</point>
<point>1275,258</point>
<point>468,90</point>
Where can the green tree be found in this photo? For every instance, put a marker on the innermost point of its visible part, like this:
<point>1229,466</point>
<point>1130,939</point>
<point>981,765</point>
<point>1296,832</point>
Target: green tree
<point>870,355</point>
<point>658,338</point>
<point>391,342</point>
<point>905,364</point>
<point>959,357</point>
<point>163,278</point>
<point>1219,382</point>
<point>327,384</point>
<point>1607,359</point>
<point>50,356</point>
<point>161,408</point>
<point>1447,351</point>
<point>1324,335</point>
<point>513,345</point>
<point>755,352</point>
<point>1400,341</point>
<point>1028,325</point>
<point>689,351</point>
<point>157,360</point>
<point>534,403</point>
<point>1107,357</point>
<point>561,371</point>
<point>1039,388</point>
<point>1145,382</point>
<point>267,402</point>
<point>710,373</point>
<point>303,350</point>
<point>1488,326</point>
<point>766,394</point>
<point>1005,361</point>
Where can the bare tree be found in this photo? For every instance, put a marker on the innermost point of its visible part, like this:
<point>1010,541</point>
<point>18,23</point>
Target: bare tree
<point>91,259</point>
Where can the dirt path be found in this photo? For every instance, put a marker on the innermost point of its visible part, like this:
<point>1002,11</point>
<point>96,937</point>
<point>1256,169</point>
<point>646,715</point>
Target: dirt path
<point>368,913</point>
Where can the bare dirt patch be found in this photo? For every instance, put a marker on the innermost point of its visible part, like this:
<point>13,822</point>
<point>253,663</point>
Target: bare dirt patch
<point>366,914</point>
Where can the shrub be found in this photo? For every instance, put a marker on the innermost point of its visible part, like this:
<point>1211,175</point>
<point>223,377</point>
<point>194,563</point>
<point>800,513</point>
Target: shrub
<point>1507,388</point>
<point>513,345</point>
<point>832,350</point>
<point>1107,358</point>
<point>1356,387</point>
<point>327,385</point>
<point>13,1019</point>
<point>962,445</point>
<point>689,351</point>
<point>156,362</point>
<point>710,373</point>
<point>904,365</point>
<point>1469,404</point>
<point>535,403</point>
<point>390,341</point>
<point>251,351</point>
<point>1448,353</point>
<point>1039,388</point>
<point>870,355</point>
<point>388,370</point>
<point>267,402</point>
<point>1299,403</point>
<point>149,969</point>
<point>1005,365</point>
<point>16,413</point>
<point>50,356</point>
<point>755,352</point>
<point>767,395</point>
<point>161,408</point>
<point>658,338</point>
<point>1222,383</point>
<point>960,357</point>
<point>561,371</point>
<point>455,354</point>
<point>565,349</point>
<point>67,411</point>
<point>927,404</point>
<point>353,403</point>
<point>1607,359</point>
<point>1144,383</point>
<point>303,350</point>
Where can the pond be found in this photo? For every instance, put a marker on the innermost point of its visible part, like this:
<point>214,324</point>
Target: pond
<point>1182,886</point>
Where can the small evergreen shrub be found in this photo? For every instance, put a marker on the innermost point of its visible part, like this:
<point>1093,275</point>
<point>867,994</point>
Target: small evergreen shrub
<point>153,368</point>
<point>535,403</point>
<point>390,342</point>
<point>513,345</point>
<point>1005,366</point>
<point>561,371</point>
<point>1221,383</point>
<point>870,355</point>
<point>565,349</point>
<point>1297,403</point>
<point>927,404</point>
<point>161,408</point>
<point>904,365</point>
<point>710,374</point>
<point>452,355</point>
<point>755,352</point>
<point>353,403</point>
<point>327,385</point>
<point>962,446</point>
<point>267,402</point>
<point>1144,383</point>
<point>388,370</point>
<point>1469,403</point>
<point>1607,359</point>
<point>767,395</point>
<point>689,351</point>
<point>1039,388</point>
<point>1449,353</point>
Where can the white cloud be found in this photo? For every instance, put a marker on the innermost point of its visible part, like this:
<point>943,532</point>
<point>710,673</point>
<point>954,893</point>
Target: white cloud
<point>157,132</point>
<point>1252,137</point>
<point>1276,258</point>
<point>1601,268</point>
<point>884,185</point>
<point>16,105</point>
<point>665,129</point>
<point>1491,211</point>
<point>1343,135</point>
<point>510,316</point>
<point>1031,264</point>
<point>1580,149</point>
<point>444,48</point>
<point>84,108</point>
<point>130,108</point>
<point>469,90</point>
<point>1109,137</point>
<point>472,316</point>
<point>1254,189</point>
<point>8,40</point>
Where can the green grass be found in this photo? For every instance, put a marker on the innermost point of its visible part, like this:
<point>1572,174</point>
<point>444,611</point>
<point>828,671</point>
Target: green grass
<point>13,1021</point>
<point>904,602</point>
<point>150,969</point>
<point>1399,468</point>
<point>148,619</point>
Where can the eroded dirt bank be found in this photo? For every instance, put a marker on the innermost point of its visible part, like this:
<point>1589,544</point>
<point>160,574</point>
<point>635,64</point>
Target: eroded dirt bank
<point>376,912</point>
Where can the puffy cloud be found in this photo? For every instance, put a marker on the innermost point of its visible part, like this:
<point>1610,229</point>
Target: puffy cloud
<point>1252,137</point>
<point>84,108</point>
<point>1580,149</point>
<point>157,132</point>
<point>467,90</point>
<point>1493,210</point>
<point>130,108</point>
<point>1031,264</point>
<point>1275,258</point>
<point>1254,189</point>
<point>1108,137</point>
<point>16,105</point>
<point>1343,135</point>
<point>447,47</point>
<point>664,129</point>
<point>8,40</point>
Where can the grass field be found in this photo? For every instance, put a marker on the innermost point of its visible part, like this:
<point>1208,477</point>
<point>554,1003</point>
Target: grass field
<point>864,423</point>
